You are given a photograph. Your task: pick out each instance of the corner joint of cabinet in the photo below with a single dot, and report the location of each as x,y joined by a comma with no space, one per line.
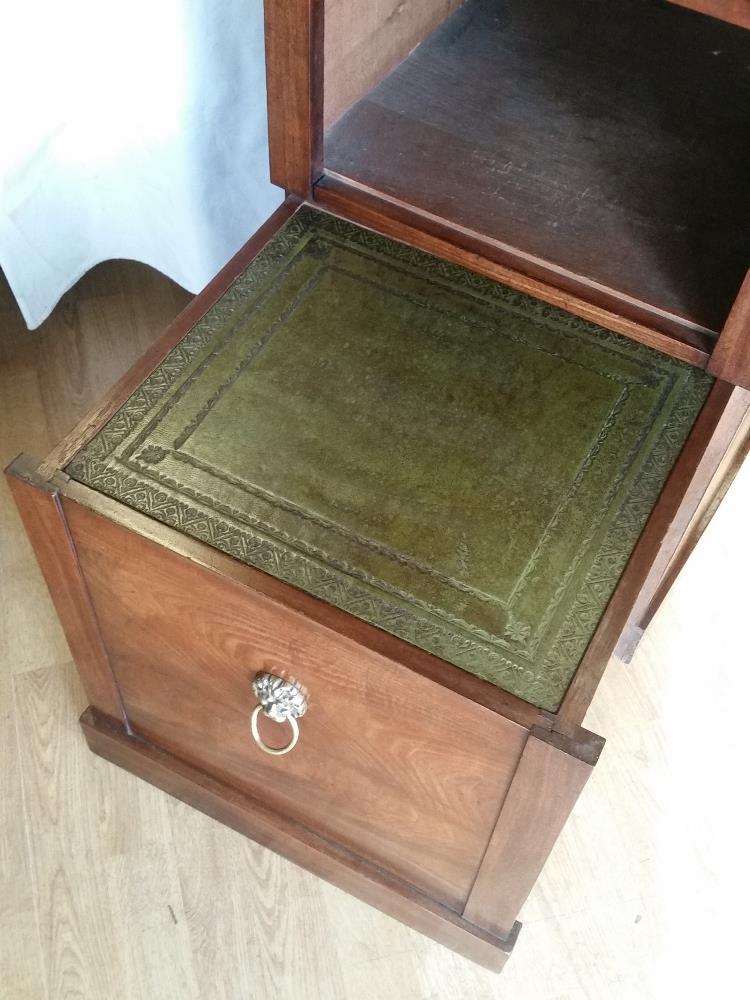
30,471
572,740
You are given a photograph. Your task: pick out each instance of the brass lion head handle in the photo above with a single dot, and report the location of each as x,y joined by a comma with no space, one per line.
281,700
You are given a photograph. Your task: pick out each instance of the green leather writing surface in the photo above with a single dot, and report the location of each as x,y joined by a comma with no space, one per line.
455,462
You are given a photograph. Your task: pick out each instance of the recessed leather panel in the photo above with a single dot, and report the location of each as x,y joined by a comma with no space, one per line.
460,464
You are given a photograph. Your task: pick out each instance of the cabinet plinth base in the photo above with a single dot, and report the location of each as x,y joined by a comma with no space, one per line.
251,817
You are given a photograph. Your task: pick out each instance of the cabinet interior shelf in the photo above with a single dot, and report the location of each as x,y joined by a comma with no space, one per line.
608,141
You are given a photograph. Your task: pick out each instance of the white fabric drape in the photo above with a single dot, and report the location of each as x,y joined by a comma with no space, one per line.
132,130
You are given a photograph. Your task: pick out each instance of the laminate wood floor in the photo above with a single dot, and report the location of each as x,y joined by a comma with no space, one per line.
110,889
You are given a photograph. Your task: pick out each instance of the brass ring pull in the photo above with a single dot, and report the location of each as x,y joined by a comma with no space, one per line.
276,751
281,700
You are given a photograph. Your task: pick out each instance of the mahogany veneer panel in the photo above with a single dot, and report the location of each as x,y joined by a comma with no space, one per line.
364,40
546,785
253,818
390,764
608,139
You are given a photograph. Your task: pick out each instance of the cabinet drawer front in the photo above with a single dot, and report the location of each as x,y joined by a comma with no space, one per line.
389,763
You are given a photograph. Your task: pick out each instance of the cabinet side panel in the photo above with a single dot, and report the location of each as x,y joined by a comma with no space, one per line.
41,511
364,40
544,790
731,358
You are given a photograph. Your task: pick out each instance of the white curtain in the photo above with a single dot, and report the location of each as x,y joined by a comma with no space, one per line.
133,130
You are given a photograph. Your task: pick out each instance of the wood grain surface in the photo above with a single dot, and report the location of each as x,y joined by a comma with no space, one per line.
43,518
389,764
253,816
366,636
544,790
111,889
365,40
294,89
731,357
534,123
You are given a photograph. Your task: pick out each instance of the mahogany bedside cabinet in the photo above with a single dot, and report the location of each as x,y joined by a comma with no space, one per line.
342,558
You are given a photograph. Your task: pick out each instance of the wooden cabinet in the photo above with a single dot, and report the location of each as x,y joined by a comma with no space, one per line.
426,450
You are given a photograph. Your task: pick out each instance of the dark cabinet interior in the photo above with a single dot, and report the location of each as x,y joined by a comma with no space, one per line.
603,146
